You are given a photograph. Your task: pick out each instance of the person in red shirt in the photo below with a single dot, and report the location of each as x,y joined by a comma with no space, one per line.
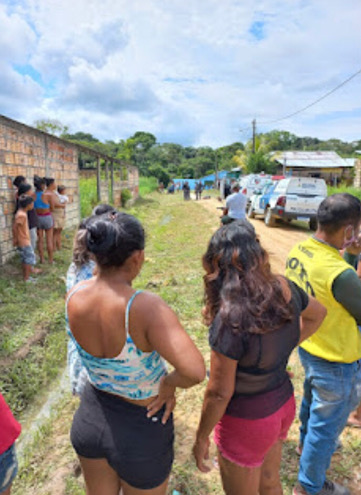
9,431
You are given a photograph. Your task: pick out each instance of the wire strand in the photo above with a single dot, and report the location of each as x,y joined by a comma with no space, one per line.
314,102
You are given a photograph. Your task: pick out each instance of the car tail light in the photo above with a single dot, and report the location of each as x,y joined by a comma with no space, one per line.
281,201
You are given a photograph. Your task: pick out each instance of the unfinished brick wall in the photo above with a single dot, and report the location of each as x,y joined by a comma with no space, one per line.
127,178
27,151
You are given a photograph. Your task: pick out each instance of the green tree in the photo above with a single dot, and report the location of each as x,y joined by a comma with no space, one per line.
160,173
253,163
51,126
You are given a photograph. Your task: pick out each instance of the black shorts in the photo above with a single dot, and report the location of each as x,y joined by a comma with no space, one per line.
138,448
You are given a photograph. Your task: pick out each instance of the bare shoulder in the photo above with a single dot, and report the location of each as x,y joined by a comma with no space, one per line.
151,302
77,296
287,294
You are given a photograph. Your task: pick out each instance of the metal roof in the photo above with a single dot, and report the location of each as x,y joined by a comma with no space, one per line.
312,159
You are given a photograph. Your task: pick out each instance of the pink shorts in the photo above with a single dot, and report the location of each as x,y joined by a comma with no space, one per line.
247,441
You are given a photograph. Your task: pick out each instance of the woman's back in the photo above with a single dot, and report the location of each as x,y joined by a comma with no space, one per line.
41,202
117,356
123,429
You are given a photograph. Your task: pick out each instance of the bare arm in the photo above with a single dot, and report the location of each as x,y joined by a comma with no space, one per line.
166,335
219,391
15,234
311,318
56,201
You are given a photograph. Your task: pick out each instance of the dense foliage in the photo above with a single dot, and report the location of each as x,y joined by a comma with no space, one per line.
169,160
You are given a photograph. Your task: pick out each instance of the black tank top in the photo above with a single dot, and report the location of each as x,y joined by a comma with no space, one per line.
262,382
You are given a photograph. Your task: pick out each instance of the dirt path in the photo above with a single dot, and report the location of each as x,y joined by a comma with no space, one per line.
278,240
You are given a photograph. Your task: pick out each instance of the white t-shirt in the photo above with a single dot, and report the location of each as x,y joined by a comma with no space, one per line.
62,198
236,204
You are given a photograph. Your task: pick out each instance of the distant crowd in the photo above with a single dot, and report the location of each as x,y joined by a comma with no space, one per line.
119,340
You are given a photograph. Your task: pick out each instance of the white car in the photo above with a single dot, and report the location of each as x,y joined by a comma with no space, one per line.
260,199
296,198
251,182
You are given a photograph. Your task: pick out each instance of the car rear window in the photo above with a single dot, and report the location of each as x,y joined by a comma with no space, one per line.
307,186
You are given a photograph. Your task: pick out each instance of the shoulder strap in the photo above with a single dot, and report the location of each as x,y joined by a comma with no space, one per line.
130,302
74,290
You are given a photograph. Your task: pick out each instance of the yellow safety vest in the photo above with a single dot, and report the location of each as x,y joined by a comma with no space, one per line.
313,266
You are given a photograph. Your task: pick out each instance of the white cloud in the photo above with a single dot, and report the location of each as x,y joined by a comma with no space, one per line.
17,39
190,72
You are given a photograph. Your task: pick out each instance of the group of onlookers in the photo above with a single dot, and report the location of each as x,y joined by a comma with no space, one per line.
123,429
39,214
120,338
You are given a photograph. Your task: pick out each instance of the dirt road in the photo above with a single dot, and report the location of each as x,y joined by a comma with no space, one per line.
278,240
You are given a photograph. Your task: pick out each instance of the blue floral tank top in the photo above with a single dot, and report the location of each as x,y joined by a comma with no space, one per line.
133,374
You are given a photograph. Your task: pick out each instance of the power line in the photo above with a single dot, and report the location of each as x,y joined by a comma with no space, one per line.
309,105
314,102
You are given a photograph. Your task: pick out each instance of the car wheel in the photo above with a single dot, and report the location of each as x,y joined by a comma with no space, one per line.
313,224
269,219
251,213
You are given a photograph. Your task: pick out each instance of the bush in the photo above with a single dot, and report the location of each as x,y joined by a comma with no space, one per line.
125,196
160,173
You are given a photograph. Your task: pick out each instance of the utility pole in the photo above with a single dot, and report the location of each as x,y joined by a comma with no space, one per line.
254,136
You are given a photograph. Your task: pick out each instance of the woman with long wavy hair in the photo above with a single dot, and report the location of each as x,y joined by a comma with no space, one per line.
256,318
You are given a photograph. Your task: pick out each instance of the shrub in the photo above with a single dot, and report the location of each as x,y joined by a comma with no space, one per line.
125,196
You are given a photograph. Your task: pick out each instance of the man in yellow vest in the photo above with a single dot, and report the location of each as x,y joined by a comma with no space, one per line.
331,356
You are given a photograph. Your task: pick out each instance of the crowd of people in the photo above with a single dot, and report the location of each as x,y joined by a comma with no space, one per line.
120,340
39,214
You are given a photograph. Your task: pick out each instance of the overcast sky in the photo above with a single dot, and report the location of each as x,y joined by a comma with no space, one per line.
193,72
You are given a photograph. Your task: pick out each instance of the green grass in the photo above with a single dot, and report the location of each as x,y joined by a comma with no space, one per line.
32,337
88,195
345,189
177,234
147,185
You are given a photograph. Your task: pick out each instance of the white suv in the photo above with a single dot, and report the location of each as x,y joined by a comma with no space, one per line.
296,198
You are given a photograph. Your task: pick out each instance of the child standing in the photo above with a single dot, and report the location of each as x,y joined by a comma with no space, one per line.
21,235
59,216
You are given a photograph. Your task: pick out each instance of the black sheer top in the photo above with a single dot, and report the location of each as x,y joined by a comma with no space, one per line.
262,382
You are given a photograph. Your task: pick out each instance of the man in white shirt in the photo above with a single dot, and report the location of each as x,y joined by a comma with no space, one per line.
236,205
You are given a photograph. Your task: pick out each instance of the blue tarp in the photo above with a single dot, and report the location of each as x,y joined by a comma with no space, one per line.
203,180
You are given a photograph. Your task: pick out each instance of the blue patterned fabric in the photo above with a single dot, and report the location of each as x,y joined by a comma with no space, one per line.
133,374
77,372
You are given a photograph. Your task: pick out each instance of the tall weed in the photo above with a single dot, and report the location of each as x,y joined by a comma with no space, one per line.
355,191
88,195
147,185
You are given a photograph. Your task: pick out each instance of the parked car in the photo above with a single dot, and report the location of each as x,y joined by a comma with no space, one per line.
296,198
251,182
260,200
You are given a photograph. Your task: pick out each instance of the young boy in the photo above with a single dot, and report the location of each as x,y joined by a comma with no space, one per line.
21,235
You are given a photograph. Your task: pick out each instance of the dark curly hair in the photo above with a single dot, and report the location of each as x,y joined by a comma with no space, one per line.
239,285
